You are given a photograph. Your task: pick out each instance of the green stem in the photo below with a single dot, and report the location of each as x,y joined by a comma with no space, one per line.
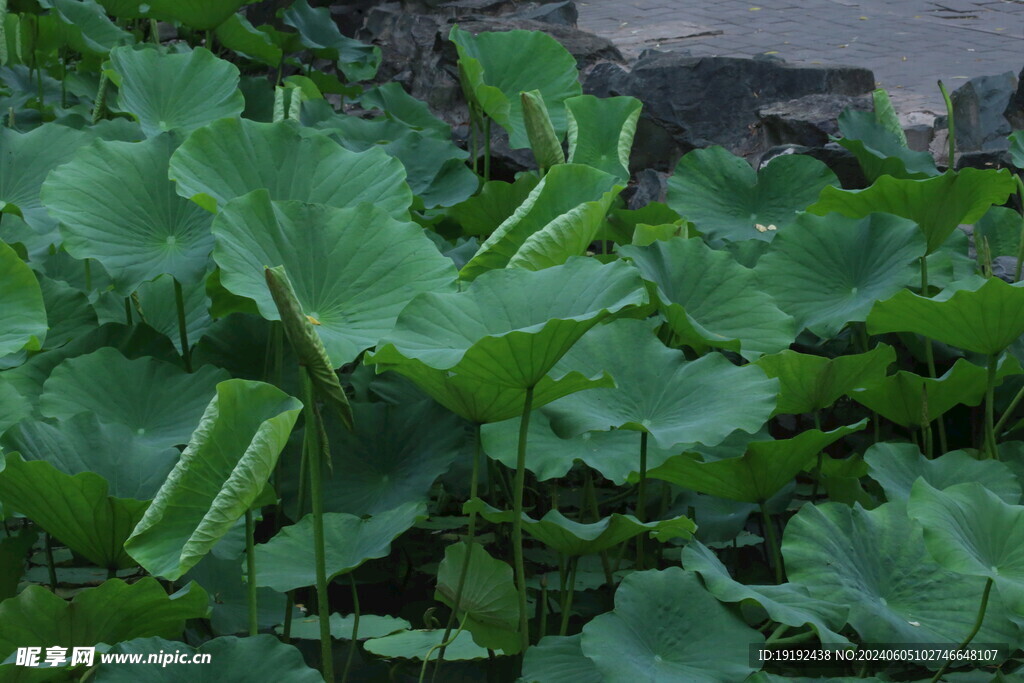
998,429
542,609
591,497
817,467
470,537
289,606
101,92
88,275
641,499
111,573
517,518
186,350
128,311
250,564
950,125
354,644
567,595
50,566
929,353
487,149
772,539
974,631
316,458
444,643
990,407
776,634
154,31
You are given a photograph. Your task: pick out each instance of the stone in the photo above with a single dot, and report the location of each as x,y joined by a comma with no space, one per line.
648,186
807,121
560,13
979,108
692,102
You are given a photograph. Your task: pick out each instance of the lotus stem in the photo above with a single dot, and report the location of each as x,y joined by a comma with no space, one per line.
128,311
817,467
354,645
470,537
317,495
487,148
101,91
542,608
929,354
950,125
1020,249
998,429
250,565
641,499
517,519
990,407
50,566
567,595
443,643
186,350
591,498
772,540
289,606
974,631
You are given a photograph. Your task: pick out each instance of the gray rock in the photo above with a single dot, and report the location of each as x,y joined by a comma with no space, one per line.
807,121
560,13
979,108
648,186
692,102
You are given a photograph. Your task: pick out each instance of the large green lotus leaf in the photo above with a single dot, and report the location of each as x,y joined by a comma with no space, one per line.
615,454
901,397
317,29
233,157
122,391
658,391
202,15
238,34
351,281
23,314
220,475
75,510
558,219
880,151
286,561
876,562
497,200
970,530
94,31
667,627
25,160
370,626
156,304
710,300
488,606
828,271
759,473
497,66
13,406
421,644
936,204
727,199
896,466
224,580
574,539
143,609
68,311
601,132
809,383
559,658
176,91
787,603
232,660
393,455
82,443
986,320
116,205
510,326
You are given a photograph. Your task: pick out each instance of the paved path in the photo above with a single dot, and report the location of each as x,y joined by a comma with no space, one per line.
909,44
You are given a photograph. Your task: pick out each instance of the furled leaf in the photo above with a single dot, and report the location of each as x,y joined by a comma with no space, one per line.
654,635
222,472
936,204
827,272
658,391
875,561
710,300
116,205
488,606
546,146
176,91
601,132
232,660
121,391
497,66
558,219
75,510
727,199
143,610
23,314
808,383
985,320
759,473
787,603
358,61
896,466
477,351
233,157
352,281
286,560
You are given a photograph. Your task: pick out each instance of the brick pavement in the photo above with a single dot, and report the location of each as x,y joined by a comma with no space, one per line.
909,44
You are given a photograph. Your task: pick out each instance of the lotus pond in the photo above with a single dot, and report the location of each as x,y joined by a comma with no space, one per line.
289,380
